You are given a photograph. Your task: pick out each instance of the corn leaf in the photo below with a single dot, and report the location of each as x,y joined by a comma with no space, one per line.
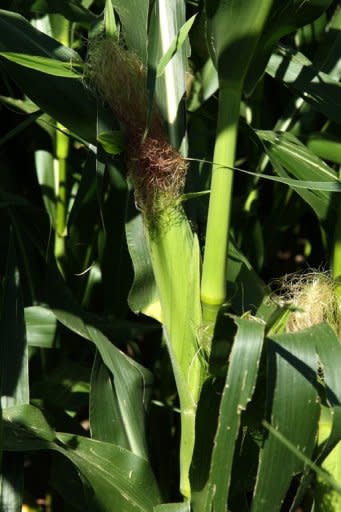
286,16
246,289
169,87
206,85
173,507
325,145
299,455
105,416
134,18
64,99
143,296
175,46
117,478
329,351
46,65
238,390
109,20
317,88
26,428
14,386
131,381
323,186
113,142
292,401
41,327
233,29
289,156
72,10
32,118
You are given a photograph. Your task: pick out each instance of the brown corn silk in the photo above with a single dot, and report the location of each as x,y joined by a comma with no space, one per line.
156,169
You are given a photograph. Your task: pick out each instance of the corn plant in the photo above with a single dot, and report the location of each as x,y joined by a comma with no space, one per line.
170,302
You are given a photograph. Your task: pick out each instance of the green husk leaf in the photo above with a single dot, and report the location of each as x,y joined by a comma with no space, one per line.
109,20
175,46
179,292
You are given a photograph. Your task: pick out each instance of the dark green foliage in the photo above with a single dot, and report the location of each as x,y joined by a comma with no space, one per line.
89,406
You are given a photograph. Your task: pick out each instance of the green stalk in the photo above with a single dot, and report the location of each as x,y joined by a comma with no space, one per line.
62,150
336,260
337,246
233,30
213,286
179,292
61,30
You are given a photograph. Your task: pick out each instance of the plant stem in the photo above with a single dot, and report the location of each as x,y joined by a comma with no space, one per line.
62,150
213,285
61,29
336,262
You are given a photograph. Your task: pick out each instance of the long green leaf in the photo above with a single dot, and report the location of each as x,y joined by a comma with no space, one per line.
118,479
318,89
175,46
329,350
238,390
320,186
105,415
143,296
286,16
26,428
170,86
22,126
41,327
290,157
173,507
67,100
233,29
134,18
131,381
71,9
14,386
322,474
292,401
43,64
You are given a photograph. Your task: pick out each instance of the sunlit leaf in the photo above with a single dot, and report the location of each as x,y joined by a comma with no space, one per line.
43,64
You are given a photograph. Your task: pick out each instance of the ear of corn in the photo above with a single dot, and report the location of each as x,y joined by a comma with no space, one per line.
158,173
179,292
